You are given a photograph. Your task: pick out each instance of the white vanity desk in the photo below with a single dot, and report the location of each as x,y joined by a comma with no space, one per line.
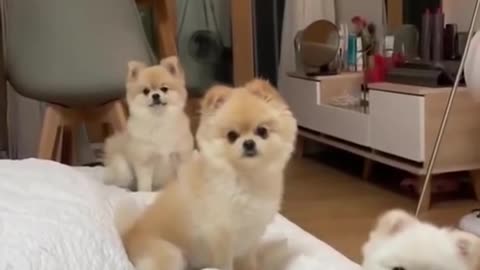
398,128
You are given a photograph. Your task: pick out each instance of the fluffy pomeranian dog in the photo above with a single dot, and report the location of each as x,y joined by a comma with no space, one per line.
214,215
158,136
401,242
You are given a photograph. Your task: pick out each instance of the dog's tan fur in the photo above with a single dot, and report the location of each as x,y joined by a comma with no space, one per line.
219,208
158,136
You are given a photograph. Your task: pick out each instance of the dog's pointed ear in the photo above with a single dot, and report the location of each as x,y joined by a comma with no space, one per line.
134,68
393,222
264,90
468,246
172,64
214,98
388,225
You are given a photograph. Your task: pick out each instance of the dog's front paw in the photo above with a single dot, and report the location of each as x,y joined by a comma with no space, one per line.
144,178
144,187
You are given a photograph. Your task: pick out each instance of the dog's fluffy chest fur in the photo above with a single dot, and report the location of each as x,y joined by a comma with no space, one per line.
243,210
162,141
159,136
250,216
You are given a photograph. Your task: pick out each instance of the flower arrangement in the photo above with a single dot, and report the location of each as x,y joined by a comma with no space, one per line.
367,32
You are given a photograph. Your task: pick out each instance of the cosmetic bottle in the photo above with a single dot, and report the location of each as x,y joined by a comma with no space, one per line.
426,36
438,21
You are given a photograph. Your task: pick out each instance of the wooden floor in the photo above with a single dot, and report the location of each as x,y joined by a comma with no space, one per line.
339,208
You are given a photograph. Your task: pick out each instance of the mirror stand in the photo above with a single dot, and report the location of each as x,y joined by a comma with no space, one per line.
324,70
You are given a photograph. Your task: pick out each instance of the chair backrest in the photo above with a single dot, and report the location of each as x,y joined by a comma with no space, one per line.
72,52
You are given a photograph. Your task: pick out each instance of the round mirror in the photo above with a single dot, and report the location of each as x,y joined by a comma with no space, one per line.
319,43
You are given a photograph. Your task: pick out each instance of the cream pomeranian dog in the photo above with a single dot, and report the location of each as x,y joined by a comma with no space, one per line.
158,136
401,242
214,215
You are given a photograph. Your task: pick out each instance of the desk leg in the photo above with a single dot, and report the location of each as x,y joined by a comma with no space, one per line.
299,147
367,169
475,176
166,26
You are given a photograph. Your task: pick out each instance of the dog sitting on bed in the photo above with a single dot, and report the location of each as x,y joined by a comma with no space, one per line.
158,136
215,214
401,242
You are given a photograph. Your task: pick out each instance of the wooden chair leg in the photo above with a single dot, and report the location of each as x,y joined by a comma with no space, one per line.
48,144
165,15
95,132
475,176
58,152
116,116
61,125
69,150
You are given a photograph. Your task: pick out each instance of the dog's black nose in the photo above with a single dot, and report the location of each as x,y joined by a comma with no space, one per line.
156,97
249,145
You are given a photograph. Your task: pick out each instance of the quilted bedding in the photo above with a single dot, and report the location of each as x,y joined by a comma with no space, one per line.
58,217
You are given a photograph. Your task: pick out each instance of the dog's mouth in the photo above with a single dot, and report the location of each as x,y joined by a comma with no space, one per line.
250,153
157,102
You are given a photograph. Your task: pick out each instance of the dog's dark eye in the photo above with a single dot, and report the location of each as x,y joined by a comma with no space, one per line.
398,268
262,132
232,136
164,89
146,91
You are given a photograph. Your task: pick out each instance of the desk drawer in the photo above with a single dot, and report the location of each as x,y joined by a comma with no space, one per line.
398,124
345,124
303,97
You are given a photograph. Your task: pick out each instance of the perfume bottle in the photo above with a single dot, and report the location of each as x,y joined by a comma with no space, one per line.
450,42
438,22
352,52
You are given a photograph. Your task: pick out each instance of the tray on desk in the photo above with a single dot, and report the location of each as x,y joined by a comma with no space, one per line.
427,74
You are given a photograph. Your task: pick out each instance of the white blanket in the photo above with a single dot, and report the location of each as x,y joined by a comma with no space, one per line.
58,217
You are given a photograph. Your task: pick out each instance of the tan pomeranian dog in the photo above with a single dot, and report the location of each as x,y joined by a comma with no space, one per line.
402,242
158,136
214,215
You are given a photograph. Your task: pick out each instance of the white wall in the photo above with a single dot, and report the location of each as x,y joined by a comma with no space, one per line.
460,12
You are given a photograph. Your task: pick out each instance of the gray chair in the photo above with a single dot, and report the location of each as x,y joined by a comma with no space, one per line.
72,55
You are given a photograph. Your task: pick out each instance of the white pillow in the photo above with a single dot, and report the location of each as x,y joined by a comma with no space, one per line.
53,217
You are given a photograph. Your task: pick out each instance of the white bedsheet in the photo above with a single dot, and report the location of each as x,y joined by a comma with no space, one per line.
58,217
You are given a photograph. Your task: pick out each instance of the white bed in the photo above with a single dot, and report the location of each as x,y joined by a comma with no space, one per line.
58,217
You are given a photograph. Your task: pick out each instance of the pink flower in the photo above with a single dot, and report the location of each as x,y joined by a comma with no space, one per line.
359,21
